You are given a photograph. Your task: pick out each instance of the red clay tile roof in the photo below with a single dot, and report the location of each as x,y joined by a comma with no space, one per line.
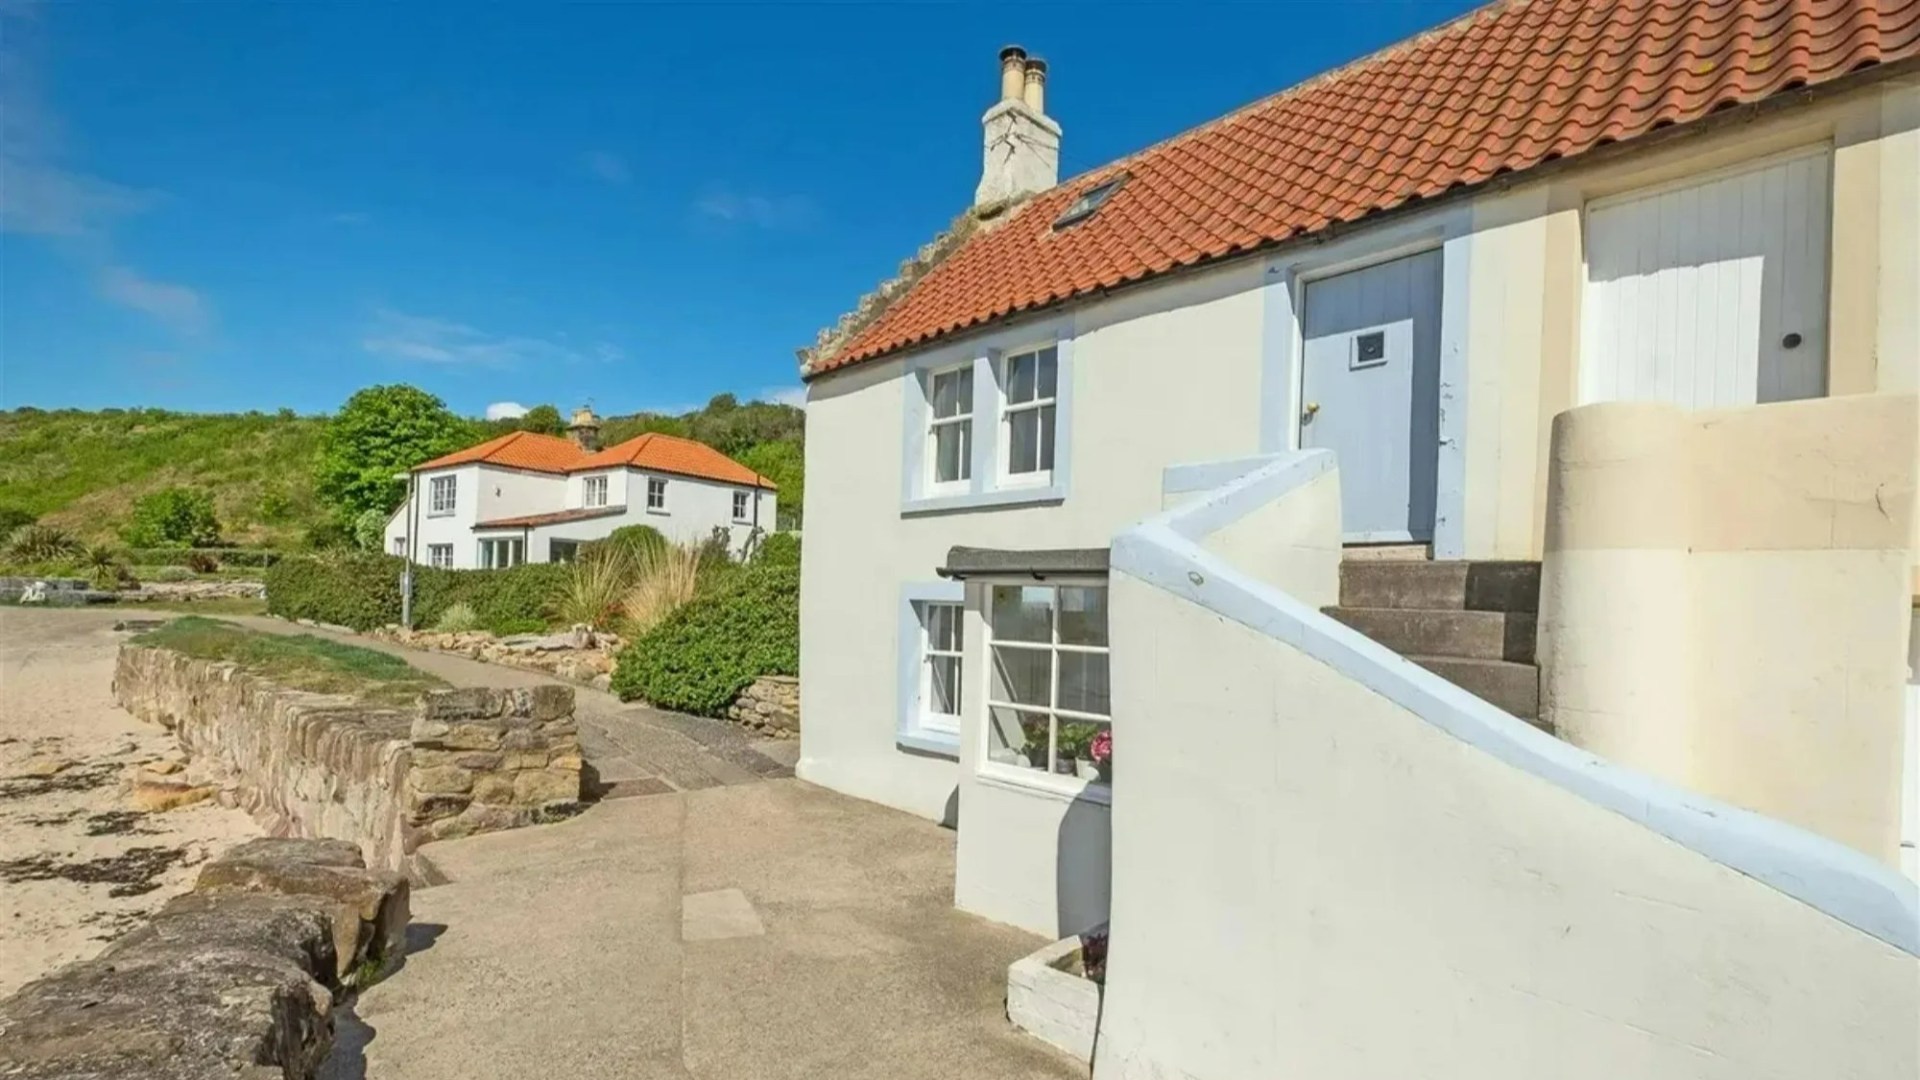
665,453
558,517
1503,89
514,450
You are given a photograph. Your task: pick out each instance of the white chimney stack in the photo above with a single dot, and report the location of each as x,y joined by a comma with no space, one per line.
1022,142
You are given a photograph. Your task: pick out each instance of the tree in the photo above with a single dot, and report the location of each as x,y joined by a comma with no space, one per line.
370,529
784,463
543,419
173,517
380,432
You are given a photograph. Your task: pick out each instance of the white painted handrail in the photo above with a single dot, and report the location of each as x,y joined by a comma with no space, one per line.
1164,551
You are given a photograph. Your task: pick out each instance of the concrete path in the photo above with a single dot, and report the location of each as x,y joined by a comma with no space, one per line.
634,750
749,932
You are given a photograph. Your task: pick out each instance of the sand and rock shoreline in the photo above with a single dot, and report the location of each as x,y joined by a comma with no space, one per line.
97,829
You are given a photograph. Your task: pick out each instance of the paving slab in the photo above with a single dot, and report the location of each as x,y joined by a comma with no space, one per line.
736,933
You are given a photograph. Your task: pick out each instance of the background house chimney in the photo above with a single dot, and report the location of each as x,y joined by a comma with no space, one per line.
1022,154
585,429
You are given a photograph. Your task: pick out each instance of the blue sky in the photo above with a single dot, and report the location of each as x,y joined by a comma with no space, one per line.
224,206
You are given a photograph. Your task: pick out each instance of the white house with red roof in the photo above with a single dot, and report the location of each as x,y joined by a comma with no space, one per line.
1429,555
528,497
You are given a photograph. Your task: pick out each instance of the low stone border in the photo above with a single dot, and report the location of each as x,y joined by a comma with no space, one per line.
237,978
319,765
770,705
581,655
1053,1005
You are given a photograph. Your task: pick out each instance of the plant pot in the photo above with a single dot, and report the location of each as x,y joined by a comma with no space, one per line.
1085,769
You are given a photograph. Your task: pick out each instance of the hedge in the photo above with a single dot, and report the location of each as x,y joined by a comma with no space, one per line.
361,590
701,656
180,556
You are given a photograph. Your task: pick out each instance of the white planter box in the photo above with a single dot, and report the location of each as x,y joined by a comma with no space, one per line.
1054,1006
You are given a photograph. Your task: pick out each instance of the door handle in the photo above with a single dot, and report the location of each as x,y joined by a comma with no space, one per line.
1312,407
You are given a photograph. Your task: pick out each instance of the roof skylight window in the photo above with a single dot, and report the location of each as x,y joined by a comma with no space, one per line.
1089,201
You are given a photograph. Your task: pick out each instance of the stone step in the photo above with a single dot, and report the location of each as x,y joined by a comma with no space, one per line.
1470,635
1512,687
1455,585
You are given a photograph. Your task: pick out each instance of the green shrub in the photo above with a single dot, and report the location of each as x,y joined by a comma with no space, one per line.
42,544
458,618
701,656
12,517
361,590
779,547
370,529
173,516
634,541
169,574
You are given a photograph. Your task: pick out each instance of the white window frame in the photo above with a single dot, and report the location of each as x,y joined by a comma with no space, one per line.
741,502
1014,775
1008,410
929,720
592,486
961,420
450,486
440,555
659,506
515,545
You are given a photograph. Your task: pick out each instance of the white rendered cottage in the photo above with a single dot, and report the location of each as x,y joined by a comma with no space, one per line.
527,497
1473,491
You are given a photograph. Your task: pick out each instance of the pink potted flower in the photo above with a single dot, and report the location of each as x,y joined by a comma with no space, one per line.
1100,750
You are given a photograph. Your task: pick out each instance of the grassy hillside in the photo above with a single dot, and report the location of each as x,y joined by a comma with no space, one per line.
83,471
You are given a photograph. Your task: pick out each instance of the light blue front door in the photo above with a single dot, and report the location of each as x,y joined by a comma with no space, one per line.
1370,392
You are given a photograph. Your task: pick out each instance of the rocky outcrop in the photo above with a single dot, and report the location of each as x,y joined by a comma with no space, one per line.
236,979
770,705
318,765
189,591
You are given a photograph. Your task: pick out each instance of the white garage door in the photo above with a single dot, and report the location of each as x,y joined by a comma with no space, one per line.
1713,294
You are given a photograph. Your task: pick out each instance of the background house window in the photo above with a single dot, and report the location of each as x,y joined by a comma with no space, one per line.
440,495
593,491
739,506
563,551
1048,699
440,555
399,545
656,493
950,427
942,639
499,554
1030,382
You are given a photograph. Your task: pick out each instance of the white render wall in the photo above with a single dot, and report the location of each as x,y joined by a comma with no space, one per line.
1166,375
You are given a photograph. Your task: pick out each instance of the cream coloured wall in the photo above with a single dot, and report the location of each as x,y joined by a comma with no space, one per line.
1323,883
1724,602
1160,376
1528,272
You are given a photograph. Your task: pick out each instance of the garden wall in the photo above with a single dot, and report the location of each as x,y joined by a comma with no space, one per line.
388,780
770,705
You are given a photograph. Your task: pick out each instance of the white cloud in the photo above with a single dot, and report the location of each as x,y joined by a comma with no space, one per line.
760,211
442,341
506,410
795,396
608,166
175,305
40,196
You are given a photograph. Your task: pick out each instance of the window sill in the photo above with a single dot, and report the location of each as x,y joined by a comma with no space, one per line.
985,500
929,742
440,513
659,513
1067,789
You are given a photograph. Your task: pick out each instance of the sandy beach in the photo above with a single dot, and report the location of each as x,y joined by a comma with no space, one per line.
85,858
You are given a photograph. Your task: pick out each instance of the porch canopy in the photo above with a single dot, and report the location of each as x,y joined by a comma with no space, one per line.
973,562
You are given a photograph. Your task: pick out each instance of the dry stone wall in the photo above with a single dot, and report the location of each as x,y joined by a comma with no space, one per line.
770,705
319,765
